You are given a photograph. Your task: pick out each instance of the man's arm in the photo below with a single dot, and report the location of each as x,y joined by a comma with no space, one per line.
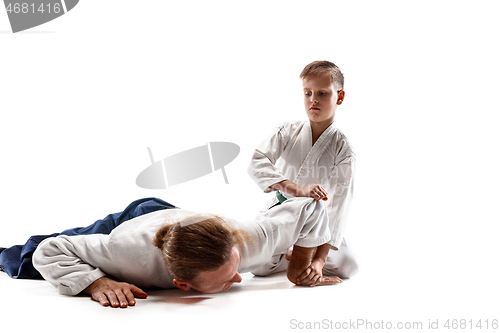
70,263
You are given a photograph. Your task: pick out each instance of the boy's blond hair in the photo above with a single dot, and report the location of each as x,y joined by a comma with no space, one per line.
320,67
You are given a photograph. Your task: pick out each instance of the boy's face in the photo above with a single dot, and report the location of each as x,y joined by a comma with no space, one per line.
320,98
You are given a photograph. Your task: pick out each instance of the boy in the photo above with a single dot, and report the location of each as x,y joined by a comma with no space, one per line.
312,159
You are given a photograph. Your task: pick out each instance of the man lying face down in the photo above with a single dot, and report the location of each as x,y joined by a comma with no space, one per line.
177,248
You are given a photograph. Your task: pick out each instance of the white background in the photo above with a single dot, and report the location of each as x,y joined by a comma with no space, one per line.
83,96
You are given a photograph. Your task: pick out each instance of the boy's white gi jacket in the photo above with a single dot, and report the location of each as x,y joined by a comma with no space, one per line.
289,154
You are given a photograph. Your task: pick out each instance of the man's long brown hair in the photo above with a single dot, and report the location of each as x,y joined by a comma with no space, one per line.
194,248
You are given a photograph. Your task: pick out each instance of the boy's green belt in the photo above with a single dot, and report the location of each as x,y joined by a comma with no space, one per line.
280,197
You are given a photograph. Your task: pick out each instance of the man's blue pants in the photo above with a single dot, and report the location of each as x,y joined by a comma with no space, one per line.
16,260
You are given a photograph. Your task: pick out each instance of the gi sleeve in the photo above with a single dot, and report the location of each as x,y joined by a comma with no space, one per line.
70,263
262,165
342,182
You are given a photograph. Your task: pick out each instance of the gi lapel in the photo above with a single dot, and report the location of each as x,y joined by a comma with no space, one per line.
313,153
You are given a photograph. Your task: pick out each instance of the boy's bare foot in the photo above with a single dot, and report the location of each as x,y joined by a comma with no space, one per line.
329,280
300,259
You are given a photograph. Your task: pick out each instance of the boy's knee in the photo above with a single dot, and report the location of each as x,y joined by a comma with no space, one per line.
348,269
344,269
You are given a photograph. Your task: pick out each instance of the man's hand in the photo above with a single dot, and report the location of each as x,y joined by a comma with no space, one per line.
117,294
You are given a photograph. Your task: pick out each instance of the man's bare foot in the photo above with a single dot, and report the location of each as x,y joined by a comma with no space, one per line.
300,259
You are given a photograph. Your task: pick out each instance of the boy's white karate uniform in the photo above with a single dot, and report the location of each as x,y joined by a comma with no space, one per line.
289,154
71,263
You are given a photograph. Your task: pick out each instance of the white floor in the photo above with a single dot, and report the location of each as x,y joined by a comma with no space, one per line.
256,304
377,296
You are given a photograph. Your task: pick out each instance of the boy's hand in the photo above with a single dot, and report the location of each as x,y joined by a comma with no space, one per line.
317,192
313,274
117,294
